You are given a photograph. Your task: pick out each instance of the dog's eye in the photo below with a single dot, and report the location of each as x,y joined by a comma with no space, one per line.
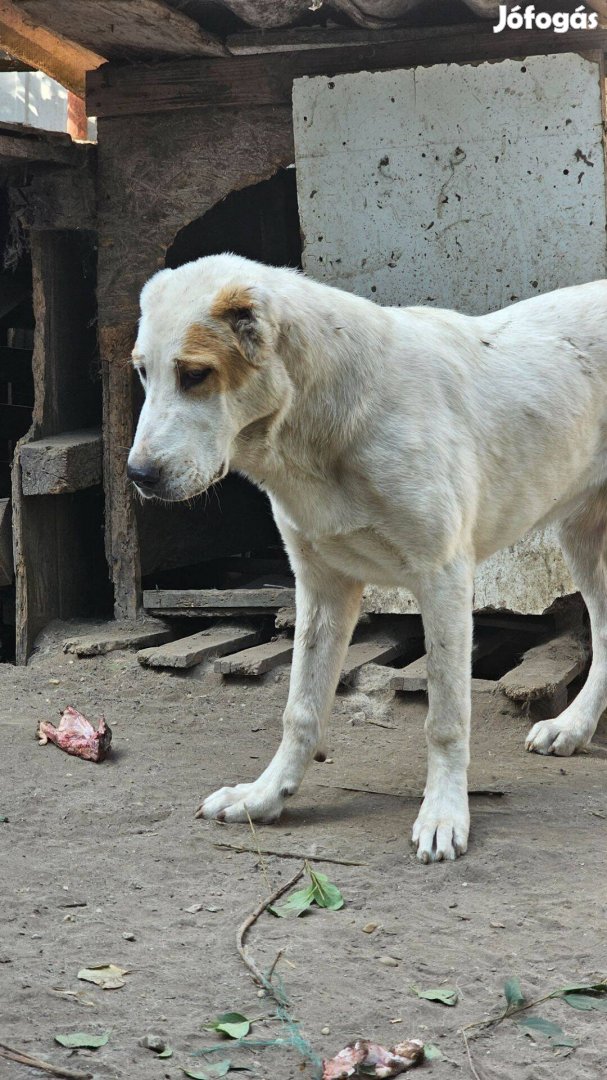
190,377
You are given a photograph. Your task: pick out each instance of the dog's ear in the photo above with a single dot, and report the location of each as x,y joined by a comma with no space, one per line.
237,307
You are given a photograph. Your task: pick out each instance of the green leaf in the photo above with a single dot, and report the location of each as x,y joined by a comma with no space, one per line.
326,894
166,1053
297,903
514,994
564,1040
544,1027
233,1024
431,1052
3,818
82,1040
586,1002
446,995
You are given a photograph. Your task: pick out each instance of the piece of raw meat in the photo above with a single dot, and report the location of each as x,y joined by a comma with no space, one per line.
76,735
364,1058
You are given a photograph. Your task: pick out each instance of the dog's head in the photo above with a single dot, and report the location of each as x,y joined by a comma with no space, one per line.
206,356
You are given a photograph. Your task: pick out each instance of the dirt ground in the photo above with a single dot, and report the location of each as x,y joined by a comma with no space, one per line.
92,853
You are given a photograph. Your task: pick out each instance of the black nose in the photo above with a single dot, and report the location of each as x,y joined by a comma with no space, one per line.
145,475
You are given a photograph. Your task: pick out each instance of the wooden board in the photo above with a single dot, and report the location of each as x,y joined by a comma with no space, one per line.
382,648
201,601
192,650
61,463
123,30
257,660
118,636
268,79
546,669
40,48
413,679
7,571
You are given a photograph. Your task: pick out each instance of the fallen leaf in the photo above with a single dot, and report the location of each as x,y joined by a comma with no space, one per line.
321,891
431,1052
233,1024
3,818
326,894
82,1040
513,992
586,1002
446,995
167,1053
554,1032
497,925
193,909
295,905
107,976
219,1068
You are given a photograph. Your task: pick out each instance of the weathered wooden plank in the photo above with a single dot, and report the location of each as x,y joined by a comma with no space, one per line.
379,650
256,661
413,679
192,650
123,30
546,669
268,79
61,463
29,145
7,571
201,600
43,50
118,636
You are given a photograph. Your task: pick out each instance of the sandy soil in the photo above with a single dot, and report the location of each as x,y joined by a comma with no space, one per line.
119,841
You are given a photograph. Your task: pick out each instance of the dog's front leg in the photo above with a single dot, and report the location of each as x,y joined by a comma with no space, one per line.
327,604
441,829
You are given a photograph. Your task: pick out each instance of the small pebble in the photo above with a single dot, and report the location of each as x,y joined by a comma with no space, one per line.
153,1042
388,961
369,927
128,937
325,1031
261,993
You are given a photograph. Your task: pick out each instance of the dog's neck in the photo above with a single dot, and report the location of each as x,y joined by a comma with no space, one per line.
327,391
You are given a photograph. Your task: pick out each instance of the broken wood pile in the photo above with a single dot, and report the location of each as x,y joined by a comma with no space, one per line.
248,631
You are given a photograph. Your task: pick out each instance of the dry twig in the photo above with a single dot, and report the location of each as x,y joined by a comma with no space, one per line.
244,928
241,848
35,1063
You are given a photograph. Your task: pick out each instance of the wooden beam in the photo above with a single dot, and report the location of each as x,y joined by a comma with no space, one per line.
546,670
44,50
61,463
115,636
7,570
380,649
202,601
256,661
246,81
189,651
124,30
25,145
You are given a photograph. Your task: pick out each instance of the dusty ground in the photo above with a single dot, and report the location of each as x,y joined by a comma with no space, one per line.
119,839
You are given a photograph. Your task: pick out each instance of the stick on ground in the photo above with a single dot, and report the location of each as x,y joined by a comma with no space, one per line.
250,921
242,848
35,1063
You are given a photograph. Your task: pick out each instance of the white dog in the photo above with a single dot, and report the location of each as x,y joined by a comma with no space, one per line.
399,447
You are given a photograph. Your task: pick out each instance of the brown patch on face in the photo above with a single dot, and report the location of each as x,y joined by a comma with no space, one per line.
204,348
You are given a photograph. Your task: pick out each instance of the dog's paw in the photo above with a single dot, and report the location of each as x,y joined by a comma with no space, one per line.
258,801
556,736
442,827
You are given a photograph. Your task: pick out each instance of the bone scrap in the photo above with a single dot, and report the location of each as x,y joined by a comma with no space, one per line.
76,735
364,1058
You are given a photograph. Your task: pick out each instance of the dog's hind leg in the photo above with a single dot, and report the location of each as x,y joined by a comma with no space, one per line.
584,540
328,604
445,597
